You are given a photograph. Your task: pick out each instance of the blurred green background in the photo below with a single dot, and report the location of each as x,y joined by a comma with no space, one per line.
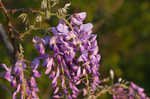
123,30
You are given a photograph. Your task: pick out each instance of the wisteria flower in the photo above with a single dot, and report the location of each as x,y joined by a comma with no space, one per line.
75,57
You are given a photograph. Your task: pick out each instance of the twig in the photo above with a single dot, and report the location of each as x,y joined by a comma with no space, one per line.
108,89
11,31
7,16
7,43
103,91
27,10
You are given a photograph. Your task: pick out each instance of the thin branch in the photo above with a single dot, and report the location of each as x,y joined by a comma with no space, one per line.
7,16
7,43
4,9
27,10
11,31
103,91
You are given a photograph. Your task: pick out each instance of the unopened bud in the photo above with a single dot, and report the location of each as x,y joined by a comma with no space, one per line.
119,80
112,74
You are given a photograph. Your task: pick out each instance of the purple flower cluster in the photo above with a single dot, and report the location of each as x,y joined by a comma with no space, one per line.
135,89
131,92
26,88
72,60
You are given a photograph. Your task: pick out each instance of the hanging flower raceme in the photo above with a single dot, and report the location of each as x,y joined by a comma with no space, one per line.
73,59
27,88
128,92
135,89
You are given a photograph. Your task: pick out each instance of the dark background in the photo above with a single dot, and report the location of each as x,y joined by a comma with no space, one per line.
123,29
